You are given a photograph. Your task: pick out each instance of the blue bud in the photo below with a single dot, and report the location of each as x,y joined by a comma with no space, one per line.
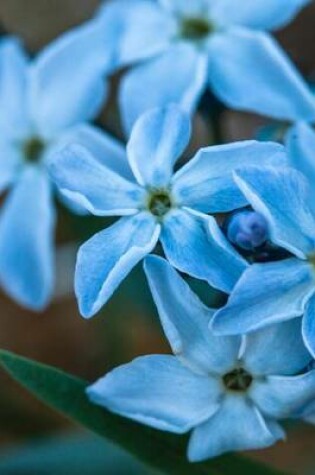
247,230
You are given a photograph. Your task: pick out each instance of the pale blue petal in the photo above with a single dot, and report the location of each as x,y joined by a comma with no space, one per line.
206,183
194,243
11,160
67,79
281,196
157,140
266,294
238,425
277,349
158,391
87,182
27,240
187,8
258,14
308,326
185,320
104,148
177,76
300,142
141,29
14,118
249,71
282,396
105,260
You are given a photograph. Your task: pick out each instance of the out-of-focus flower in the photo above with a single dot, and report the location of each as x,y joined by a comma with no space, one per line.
276,291
157,204
230,391
43,102
181,47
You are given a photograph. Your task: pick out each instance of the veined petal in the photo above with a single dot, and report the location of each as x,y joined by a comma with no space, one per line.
308,326
185,320
266,294
291,222
194,243
300,143
142,29
157,140
283,396
87,182
14,120
104,148
206,183
27,240
249,71
176,76
158,391
260,14
267,350
67,79
106,259
238,425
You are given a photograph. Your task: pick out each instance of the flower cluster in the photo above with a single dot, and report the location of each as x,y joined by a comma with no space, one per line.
239,216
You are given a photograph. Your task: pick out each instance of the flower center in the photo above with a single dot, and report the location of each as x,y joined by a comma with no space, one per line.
33,149
195,28
238,380
159,202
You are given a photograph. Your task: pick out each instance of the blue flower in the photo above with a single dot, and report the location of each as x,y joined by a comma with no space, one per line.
272,292
181,47
156,204
43,102
229,391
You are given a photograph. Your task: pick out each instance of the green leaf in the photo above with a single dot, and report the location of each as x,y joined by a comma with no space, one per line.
163,451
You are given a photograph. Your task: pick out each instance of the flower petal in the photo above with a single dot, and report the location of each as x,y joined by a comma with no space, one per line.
308,326
260,14
238,425
67,83
142,29
184,8
300,142
177,76
282,396
291,223
185,321
194,243
87,182
206,183
249,71
157,140
266,294
26,240
14,119
104,148
158,391
11,160
105,259
278,340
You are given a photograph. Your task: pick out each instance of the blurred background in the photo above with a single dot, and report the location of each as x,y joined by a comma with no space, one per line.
33,439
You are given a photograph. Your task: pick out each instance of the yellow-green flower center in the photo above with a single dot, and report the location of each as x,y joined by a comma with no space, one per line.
238,380
33,149
159,202
195,28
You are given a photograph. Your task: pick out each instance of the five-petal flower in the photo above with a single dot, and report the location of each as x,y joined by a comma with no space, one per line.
157,204
43,102
182,47
230,391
